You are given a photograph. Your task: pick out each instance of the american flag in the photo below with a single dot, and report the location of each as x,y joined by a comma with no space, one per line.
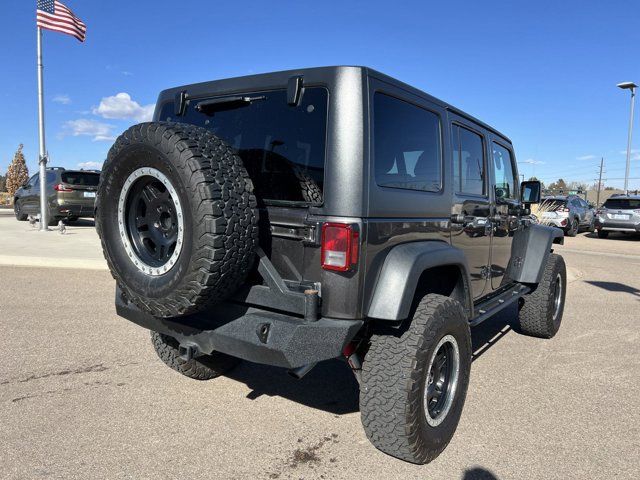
53,15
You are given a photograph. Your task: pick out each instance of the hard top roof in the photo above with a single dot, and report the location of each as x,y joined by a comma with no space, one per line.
271,78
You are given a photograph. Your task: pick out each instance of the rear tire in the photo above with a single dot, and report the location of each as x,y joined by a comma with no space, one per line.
541,312
402,413
603,234
17,209
204,367
177,218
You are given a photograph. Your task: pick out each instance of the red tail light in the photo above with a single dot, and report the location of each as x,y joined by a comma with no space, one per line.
340,246
61,187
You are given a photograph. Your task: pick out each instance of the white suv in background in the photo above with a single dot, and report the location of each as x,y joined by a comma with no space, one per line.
570,213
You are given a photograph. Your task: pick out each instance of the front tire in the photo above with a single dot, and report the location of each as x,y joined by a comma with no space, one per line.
204,367
414,381
542,309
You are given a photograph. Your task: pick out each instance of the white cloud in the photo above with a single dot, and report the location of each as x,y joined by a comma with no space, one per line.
532,161
635,154
90,165
586,157
62,98
90,128
127,73
122,107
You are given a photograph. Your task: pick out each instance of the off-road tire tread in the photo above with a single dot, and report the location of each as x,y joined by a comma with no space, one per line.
224,209
205,367
390,394
533,318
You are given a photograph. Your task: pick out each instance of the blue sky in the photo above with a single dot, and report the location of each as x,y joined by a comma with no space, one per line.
544,73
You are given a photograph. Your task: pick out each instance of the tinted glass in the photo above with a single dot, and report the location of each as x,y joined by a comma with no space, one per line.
503,171
406,145
282,146
553,204
81,178
33,180
468,161
622,204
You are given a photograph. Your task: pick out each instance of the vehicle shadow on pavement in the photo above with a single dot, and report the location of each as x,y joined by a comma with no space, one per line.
615,287
81,222
478,473
629,237
492,330
331,387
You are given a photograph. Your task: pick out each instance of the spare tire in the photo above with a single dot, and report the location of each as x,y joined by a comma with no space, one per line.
177,218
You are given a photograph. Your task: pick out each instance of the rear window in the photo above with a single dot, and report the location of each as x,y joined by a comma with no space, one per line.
622,204
282,146
553,204
81,178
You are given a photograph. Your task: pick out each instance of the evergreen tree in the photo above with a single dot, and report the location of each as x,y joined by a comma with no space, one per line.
17,173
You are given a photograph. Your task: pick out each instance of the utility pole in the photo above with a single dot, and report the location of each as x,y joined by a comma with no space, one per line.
632,87
599,182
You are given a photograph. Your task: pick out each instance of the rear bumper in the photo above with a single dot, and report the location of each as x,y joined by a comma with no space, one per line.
72,210
557,222
252,334
609,225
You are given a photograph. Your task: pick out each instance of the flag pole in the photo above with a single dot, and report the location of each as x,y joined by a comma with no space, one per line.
44,220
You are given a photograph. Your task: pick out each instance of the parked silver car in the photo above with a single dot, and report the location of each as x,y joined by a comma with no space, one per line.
619,214
570,213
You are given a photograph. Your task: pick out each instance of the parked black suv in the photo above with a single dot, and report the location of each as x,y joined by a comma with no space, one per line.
70,194
299,216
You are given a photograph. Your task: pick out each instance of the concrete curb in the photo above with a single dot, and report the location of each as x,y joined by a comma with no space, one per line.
46,262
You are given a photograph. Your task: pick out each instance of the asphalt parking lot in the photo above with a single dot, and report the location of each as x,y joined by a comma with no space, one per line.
82,394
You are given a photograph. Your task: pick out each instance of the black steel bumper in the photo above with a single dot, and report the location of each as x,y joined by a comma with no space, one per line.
252,334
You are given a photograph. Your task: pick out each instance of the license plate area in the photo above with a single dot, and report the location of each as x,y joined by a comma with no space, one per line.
620,216
89,194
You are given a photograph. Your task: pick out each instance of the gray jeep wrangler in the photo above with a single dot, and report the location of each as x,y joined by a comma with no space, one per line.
294,217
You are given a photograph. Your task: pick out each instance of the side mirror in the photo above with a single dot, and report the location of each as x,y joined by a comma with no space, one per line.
530,192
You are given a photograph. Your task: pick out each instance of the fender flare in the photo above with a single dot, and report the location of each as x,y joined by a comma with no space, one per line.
530,251
396,285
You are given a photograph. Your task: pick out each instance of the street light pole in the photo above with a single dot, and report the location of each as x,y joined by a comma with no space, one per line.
629,86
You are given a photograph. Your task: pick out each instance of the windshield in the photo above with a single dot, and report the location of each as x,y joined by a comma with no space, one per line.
81,178
282,146
622,204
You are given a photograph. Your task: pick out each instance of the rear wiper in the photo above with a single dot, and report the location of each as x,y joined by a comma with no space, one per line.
226,103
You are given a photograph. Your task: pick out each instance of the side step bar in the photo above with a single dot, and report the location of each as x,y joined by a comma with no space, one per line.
493,305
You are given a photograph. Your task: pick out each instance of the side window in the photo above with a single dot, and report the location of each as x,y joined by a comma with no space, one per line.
407,150
468,161
34,180
504,172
